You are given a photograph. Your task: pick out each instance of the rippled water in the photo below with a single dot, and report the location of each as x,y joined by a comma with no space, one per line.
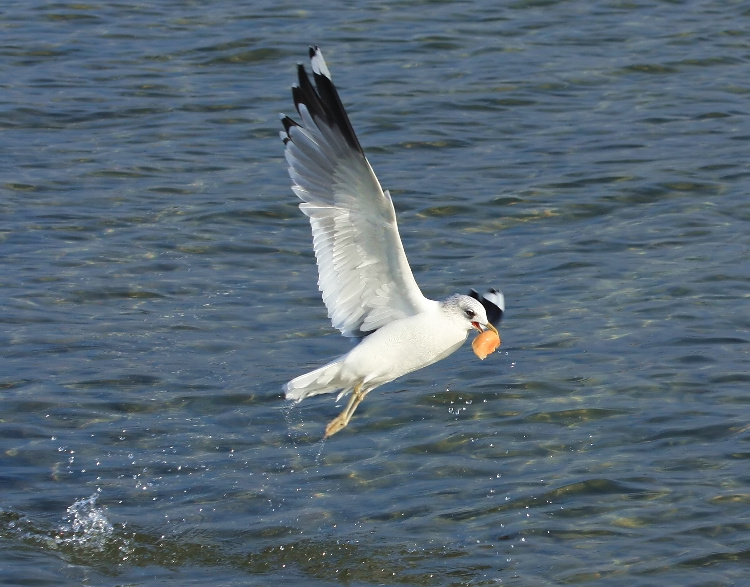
158,288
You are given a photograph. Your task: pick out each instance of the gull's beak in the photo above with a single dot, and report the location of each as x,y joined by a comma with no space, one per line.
489,326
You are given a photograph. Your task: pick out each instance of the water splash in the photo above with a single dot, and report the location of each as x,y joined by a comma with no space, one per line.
86,525
297,434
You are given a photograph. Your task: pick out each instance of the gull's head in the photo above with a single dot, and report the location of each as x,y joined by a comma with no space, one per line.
468,312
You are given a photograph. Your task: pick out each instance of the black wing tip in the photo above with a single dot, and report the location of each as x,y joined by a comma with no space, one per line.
322,100
287,123
494,312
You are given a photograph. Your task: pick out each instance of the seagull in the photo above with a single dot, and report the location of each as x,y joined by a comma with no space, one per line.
364,276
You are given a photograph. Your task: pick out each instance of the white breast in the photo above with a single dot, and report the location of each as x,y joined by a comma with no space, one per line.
403,346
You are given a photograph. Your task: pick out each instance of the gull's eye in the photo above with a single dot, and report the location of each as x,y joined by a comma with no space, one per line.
470,314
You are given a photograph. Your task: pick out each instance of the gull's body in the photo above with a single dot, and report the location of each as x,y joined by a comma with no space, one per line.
364,276
393,350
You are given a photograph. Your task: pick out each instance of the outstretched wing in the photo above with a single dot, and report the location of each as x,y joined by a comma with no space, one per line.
493,302
364,276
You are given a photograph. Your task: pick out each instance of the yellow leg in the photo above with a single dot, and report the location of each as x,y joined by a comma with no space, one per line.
340,421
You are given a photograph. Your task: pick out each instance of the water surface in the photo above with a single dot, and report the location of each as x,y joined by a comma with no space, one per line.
158,287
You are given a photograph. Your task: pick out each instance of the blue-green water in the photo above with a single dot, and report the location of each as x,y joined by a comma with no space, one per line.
157,287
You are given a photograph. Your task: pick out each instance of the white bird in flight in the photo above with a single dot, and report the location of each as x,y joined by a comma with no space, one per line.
366,282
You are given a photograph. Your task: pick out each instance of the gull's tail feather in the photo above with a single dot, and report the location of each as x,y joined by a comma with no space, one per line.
323,380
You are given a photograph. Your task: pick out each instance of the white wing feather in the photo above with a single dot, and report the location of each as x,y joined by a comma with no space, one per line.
364,275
